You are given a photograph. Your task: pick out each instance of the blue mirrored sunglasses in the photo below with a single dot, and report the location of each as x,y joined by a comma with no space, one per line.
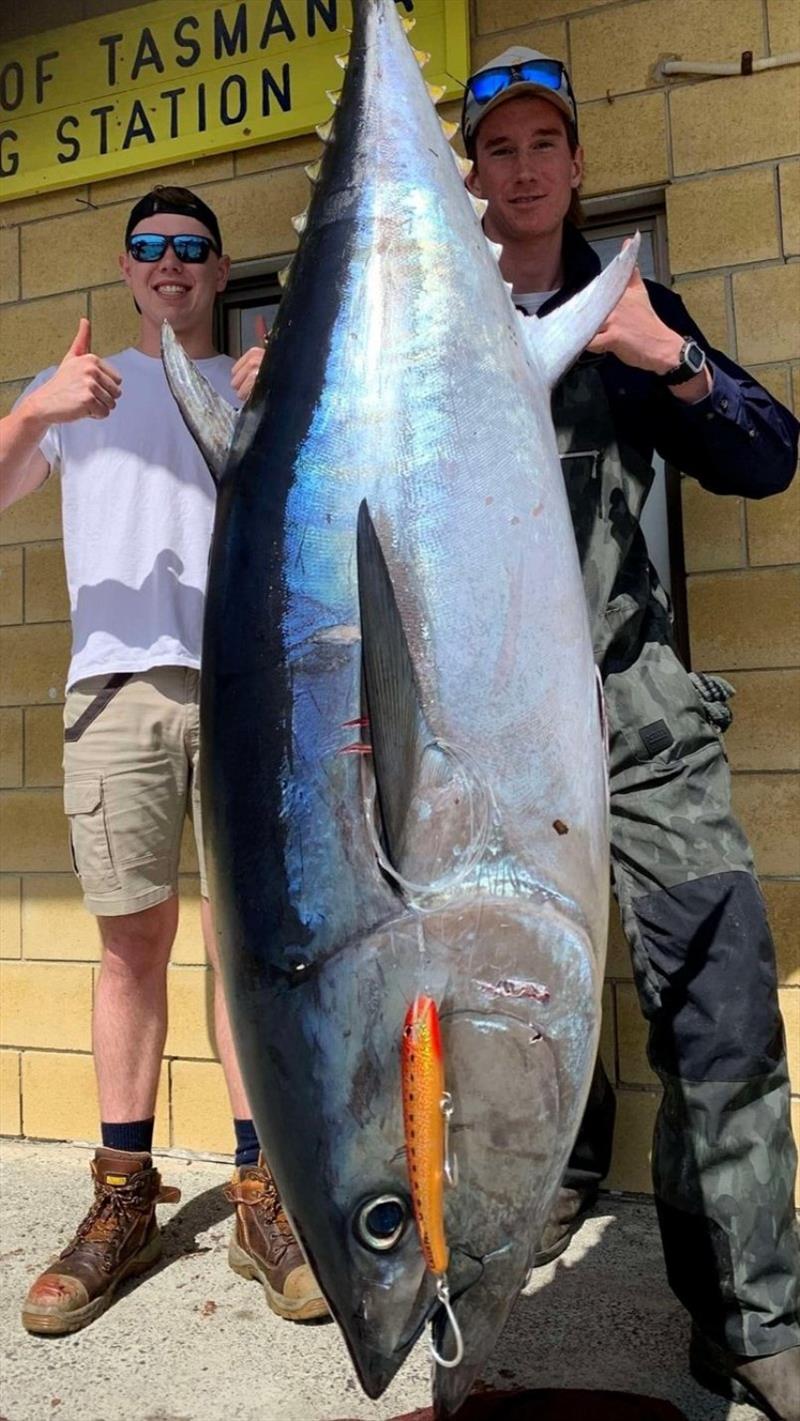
547,73
151,246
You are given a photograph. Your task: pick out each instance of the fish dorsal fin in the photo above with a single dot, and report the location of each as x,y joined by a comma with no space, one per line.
398,728
210,419
556,341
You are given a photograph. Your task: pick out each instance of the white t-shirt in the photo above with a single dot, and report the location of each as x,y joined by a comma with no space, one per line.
531,301
138,507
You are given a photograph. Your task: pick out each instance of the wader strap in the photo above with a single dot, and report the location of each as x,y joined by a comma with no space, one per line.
715,692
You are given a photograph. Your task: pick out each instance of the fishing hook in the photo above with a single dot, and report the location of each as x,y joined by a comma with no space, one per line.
443,1295
450,1162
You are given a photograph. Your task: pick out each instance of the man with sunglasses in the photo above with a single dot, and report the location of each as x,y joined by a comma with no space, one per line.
138,505
723,1159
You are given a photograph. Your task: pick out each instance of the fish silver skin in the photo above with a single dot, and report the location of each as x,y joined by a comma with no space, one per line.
393,544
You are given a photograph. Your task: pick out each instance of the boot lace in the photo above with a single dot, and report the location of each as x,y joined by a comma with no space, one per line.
268,1208
109,1220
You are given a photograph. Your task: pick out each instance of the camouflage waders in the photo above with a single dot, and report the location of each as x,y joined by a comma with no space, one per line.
723,1157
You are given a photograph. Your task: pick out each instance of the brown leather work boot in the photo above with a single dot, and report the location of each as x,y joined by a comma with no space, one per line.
770,1383
118,1238
568,1213
263,1246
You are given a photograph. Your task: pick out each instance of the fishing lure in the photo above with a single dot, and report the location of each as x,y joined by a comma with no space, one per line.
427,1108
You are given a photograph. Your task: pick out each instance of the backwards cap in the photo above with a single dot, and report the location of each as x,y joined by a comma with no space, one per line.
174,199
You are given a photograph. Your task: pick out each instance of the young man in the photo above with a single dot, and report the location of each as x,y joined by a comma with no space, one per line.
138,506
723,1158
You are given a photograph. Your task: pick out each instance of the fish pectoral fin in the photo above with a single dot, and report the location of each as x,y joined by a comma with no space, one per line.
210,419
555,341
398,729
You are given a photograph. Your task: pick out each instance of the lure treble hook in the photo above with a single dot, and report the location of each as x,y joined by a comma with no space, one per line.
450,1160
443,1294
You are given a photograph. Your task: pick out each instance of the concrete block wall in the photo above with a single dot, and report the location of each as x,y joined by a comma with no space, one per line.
726,153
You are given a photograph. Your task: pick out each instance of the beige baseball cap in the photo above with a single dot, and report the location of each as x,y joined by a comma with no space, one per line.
516,71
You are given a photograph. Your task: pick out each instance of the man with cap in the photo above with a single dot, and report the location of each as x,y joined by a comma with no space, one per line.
138,506
724,1161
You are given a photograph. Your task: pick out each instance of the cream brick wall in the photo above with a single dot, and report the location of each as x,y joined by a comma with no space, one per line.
726,153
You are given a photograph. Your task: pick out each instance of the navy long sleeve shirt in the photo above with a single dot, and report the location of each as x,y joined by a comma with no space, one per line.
738,440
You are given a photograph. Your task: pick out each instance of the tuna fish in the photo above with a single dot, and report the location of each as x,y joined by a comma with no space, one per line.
403,765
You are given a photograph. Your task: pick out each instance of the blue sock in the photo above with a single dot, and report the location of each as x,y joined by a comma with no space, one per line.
247,1146
128,1135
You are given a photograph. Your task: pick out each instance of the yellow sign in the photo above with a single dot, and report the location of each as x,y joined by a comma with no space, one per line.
163,82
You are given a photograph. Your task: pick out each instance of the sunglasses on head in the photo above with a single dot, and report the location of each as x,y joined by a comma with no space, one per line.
547,73
151,246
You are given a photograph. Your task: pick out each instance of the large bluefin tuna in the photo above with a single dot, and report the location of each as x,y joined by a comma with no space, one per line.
403,767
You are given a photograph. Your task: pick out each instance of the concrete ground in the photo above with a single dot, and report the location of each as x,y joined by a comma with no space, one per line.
193,1342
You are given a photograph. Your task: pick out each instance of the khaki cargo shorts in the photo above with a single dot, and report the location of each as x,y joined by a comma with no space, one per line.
131,744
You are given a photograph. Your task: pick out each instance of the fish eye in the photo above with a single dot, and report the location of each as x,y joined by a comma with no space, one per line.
380,1222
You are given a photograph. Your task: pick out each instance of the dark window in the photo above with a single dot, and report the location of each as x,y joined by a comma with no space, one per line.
254,290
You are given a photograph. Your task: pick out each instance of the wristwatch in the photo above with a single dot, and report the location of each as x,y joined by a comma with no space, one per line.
691,362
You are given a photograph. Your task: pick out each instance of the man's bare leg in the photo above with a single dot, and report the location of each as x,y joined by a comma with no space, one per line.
240,1106
129,1023
119,1237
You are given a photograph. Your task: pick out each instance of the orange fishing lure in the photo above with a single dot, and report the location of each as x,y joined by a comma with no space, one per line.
424,1099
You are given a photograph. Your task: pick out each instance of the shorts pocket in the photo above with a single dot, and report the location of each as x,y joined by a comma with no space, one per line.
144,809
88,835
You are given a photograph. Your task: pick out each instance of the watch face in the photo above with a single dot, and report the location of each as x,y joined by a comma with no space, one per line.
694,357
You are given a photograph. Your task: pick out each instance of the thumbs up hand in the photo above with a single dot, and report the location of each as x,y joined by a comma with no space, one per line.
243,374
82,386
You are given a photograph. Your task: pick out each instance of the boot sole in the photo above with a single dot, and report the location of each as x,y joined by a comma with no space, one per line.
549,1255
299,1310
53,1324
729,1388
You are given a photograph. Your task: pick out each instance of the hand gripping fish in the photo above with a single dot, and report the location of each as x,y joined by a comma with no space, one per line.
403,768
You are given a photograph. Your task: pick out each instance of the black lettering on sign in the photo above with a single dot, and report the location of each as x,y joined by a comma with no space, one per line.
12,86
147,53
201,108
188,22
326,10
173,95
227,114
276,23
138,126
408,5
269,87
43,76
230,40
102,113
70,142
111,42
9,161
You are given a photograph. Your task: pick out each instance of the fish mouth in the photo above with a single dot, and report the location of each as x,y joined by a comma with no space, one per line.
382,1307
482,1293
375,1371
377,1366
